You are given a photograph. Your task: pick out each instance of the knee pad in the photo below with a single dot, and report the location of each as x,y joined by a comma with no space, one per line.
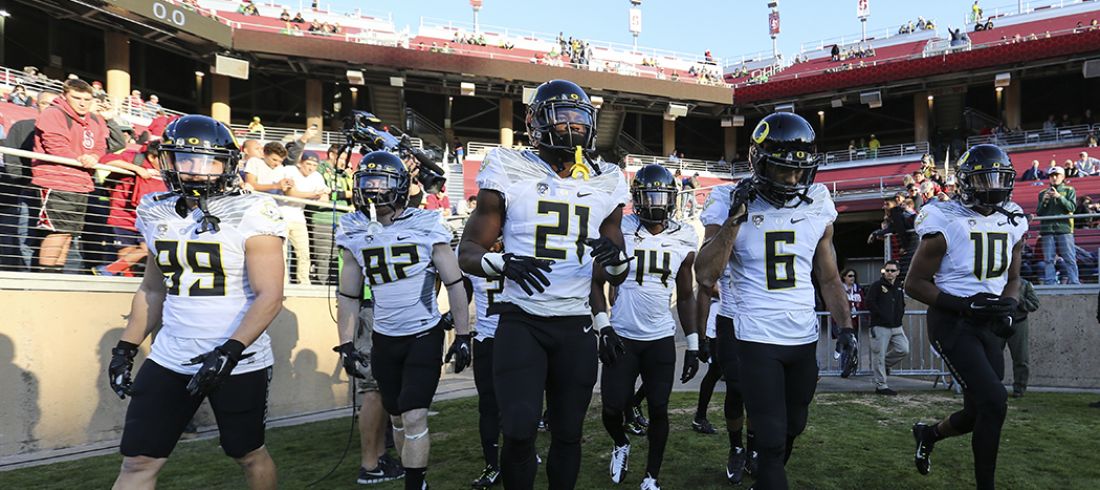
415,423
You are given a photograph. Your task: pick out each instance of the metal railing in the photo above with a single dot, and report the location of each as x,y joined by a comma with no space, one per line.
922,360
855,39
886,151
682,164
1065,134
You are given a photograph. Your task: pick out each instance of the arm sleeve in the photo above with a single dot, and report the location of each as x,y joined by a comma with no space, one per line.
263,218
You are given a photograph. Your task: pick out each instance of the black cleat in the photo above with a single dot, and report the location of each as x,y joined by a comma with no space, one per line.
735,466
925,440
752,463
489,477
639,418
388,469
702,426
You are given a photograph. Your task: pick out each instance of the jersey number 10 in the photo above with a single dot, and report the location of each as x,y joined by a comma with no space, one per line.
990,254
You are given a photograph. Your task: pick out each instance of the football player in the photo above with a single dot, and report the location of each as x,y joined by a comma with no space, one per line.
772,229
485,292
559,214
213,283
967,270
642,326
400,251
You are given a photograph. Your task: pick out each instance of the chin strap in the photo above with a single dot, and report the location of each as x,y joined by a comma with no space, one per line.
579,170
209,222
1011,216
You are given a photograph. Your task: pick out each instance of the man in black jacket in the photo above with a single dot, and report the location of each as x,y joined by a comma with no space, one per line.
889,345
15,191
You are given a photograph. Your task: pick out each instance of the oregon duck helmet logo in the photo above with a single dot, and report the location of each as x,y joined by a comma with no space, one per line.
761,132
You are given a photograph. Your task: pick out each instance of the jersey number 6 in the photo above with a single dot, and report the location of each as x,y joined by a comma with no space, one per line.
773,260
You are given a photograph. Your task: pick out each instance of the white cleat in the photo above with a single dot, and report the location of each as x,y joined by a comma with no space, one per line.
619,460
650,483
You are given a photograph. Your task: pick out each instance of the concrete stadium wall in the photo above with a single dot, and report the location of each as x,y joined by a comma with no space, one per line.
56,333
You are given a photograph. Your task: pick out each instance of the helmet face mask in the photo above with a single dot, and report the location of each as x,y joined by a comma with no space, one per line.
783,158
198,157
653,193
561,117
382,181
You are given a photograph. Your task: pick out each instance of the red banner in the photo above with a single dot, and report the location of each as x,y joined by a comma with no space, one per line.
773,23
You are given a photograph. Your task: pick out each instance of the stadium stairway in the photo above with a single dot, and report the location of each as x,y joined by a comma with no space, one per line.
386,103
608,127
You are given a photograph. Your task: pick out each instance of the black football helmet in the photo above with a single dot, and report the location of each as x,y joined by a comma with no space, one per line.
199,157
783,142
382,180
985,176
565,103
654,193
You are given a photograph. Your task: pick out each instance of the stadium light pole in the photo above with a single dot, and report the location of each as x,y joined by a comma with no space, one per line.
635,18
773,27
476,5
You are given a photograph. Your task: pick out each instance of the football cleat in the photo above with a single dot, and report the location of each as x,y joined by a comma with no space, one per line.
638,417
735,466
925,439
388,469
634,427
489,477
620,456
702,426
752,463
650,483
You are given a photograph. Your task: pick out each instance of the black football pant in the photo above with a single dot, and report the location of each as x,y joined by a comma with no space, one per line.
778,383
975,357
488,421
725,352
533,354
655,361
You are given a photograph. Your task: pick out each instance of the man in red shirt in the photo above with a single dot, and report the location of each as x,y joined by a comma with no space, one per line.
439,202
125,198
67,129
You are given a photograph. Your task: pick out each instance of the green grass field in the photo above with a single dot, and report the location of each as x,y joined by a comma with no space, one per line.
853,441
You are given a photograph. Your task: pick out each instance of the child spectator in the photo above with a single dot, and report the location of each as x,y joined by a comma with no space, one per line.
125,197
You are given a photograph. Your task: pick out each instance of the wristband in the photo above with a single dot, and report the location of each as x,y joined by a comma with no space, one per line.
952,302
129,347
600,320
692,341
617,269
234,348
493,264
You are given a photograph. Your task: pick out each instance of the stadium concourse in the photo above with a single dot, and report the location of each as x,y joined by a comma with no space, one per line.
893,112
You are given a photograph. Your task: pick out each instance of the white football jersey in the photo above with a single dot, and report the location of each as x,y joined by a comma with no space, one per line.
712,327
771,265
205,276
396,261
486,291
642,309
550,217
979,248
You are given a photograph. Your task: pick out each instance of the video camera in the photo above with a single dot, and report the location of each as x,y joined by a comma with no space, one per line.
365,130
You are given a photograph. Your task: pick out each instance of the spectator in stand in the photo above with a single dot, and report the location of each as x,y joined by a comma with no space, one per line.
889,345
439,202
152,106
690,186
69,129
468,206
296,146
285,15
17,197
674,158
119,131
137,106
256,127
266,174
250,149
305,183
976,12
872,147
1071,169
928,191
248,8
835,52
156,128
1050,127
97,89
1017,342
338,177
18,96
1056,236
298,19
1086,165
125,197
315,26
1034,173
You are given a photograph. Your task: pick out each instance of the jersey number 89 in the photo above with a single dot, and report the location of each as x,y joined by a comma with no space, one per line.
203,259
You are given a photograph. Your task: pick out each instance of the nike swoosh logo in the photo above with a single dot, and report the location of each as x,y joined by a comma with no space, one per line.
1002,223
588,329
666,245
399,237
793,221
728,474
584,194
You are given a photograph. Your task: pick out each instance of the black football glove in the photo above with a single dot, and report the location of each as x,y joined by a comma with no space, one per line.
354,361
121,367
1003,327
447,321
704,350
606,253
691,365
611,346
742,194
985,305
460,351
216,365
848,342
528,272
